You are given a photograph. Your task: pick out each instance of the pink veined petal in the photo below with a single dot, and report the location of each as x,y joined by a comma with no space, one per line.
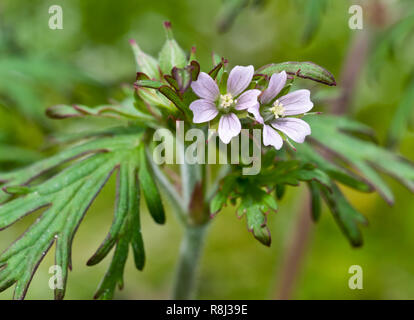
294,128
229,127
296,102
205,87
239,79
276,84
247,99
271,137
203,110
256,113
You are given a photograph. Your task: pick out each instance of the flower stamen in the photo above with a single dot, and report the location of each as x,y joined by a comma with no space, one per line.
226,100
278,110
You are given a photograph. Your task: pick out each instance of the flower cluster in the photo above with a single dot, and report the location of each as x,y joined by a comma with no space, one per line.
274,113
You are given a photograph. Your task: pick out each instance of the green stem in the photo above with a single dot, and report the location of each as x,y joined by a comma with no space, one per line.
189,257
193,182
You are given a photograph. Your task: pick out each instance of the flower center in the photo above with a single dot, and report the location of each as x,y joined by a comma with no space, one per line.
226,100
278,110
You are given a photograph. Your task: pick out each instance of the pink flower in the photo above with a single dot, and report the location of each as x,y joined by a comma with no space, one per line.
213,103
275,112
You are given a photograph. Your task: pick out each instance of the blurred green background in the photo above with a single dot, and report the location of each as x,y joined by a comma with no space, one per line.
90,59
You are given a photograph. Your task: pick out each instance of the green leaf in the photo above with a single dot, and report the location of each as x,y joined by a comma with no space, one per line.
291,173
17,190
114,275
255,203
309,154
15,154
58,223
332,134
217,203
109,143
256,192
313,12
22,77
389,42
402,116
220,199
64,199
305,70
280,191
150,190
315,200
255,206
171,55
125,230
228,13
121,111
345,215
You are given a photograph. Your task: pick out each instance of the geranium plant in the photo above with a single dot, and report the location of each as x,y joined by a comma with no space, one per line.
173,94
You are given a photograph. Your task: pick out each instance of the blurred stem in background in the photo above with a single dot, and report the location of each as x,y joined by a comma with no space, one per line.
376,12
296,252
351,71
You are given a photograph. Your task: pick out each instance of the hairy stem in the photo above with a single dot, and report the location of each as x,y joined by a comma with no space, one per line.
193,181
189,257
351,71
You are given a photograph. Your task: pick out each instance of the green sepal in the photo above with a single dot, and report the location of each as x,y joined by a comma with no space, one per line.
144,62
171,55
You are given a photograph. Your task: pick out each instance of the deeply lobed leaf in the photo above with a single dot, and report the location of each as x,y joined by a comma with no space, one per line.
65,199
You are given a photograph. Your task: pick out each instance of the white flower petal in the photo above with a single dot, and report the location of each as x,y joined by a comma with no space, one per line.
239,79
276,84
205,87
294,128
247,99
203,110
229,127
271,137
296,102
256,113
